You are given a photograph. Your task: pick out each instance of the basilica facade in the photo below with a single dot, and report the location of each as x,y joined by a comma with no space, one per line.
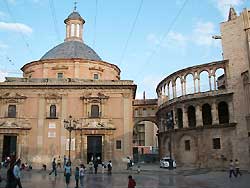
70,102
208,126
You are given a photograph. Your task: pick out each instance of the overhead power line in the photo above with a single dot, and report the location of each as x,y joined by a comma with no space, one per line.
166,33
131,32
18,28
53,14
96,10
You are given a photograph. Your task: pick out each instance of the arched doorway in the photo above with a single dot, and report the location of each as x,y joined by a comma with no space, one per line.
223,112
206,114
145,141
191,116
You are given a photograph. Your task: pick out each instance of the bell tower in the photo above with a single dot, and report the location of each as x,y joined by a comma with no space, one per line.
74,26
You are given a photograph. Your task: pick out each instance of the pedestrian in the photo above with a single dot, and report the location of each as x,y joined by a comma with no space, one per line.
82,173
103,167
11,180
59,162
138,169
131,182
53,167
64,161
67,173
17,173
237,168
77,176
110,168
231,169
91,167
96,166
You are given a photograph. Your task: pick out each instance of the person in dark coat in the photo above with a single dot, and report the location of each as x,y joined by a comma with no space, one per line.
131,182
11,180
96,166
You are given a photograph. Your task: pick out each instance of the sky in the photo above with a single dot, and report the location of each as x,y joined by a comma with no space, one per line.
146,39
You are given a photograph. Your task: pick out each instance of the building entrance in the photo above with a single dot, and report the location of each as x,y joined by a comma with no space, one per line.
94,148
9,146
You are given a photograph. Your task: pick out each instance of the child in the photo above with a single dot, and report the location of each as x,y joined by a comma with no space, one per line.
131,182
77,175
138,169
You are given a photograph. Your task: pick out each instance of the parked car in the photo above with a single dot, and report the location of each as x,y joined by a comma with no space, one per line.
166,161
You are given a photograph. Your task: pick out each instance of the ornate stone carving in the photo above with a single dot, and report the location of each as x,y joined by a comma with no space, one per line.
12,98
17,123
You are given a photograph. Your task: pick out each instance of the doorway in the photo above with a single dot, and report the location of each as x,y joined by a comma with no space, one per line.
94,148
9,146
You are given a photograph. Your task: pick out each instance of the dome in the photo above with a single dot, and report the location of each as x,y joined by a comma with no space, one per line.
72,49
74,16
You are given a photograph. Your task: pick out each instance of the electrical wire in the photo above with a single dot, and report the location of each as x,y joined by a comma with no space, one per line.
131,32
96,9
18,28
53,14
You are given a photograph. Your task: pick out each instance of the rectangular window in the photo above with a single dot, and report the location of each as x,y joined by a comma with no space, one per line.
96,76
51,134
60,75
216,143
118,144
187,145
72,145
52,125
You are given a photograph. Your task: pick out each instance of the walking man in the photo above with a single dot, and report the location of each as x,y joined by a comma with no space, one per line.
17,173
53,167
59,162
237,168
231,169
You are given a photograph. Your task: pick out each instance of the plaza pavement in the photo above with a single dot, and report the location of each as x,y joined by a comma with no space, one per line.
151,176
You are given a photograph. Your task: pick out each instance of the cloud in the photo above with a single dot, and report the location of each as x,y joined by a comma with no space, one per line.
153,39
224,5
3,46
16,27
178,38
3,74
202,34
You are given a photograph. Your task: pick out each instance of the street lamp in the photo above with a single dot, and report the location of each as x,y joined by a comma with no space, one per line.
170,126
70,125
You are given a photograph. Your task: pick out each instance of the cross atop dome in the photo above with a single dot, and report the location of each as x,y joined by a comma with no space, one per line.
75,7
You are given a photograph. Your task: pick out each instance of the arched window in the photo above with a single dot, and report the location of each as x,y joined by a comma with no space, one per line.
223,112
12,111
179,117
72,32
78,30
95,111
52,111
206,114
191,116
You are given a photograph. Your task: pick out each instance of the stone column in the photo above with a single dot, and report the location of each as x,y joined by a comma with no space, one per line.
77,70
194,85
127,124
198,114
174,90
63,131
214,82
40,125
215,114
182,87
168,92
199,87
231,112
185,117
174,118
185,87
210,84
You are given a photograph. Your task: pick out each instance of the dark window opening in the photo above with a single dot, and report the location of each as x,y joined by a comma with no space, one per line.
96,76
52,111
206,114
12,111
187,145
118,144
95,111
59,75
223,112
191,116
216,143
180,118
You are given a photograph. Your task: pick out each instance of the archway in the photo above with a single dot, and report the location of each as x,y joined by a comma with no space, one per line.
206,114
223,112
191,116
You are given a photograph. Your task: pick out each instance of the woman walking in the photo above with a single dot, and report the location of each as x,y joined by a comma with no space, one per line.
67,173
11,180
77,176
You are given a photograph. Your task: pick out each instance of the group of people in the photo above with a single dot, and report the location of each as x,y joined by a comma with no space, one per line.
79,171
234,168
14,174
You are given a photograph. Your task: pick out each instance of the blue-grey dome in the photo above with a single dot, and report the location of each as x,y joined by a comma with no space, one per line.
72,49
74,16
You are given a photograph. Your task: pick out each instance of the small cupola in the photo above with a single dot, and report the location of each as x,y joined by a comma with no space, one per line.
74,27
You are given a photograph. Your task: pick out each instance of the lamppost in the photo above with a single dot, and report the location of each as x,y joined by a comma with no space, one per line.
70,125
170,126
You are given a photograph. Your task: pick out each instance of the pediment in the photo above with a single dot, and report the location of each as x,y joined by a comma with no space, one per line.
52,96
12,95
91,96
21,124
